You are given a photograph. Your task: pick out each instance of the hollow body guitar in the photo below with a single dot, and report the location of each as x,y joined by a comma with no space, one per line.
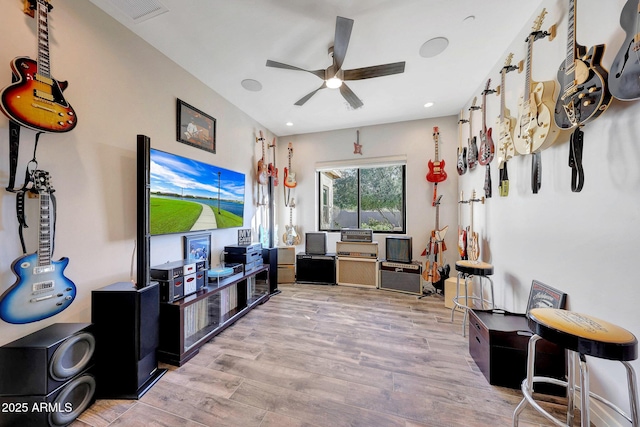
584,94
34,99
535,128
505,125
624,76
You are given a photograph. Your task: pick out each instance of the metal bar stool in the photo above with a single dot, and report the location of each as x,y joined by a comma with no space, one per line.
581,335
467,269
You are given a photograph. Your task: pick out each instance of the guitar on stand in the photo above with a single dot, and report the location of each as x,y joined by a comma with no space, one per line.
289,178
436,271
291,236
461,165
472,154
624,78
34,99
505,126
42,290
473,248
462,232
436,172
487,147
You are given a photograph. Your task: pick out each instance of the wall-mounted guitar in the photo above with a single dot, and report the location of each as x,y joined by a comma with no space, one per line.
461,165
262,170
42,290
505,126
272,169
34,99
291,236
462,232
624,78
436,172
472,154
535,129
289,178
584,95
487,147
473,247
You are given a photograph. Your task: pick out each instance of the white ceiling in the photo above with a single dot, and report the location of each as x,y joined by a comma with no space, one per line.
223,42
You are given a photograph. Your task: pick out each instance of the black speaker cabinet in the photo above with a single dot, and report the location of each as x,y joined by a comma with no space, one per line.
44,360
56,409
126,322
270,257
316,269
51,368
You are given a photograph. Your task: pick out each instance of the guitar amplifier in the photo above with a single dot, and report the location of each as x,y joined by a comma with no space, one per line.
357,249
356,235
401,277
357,272
316,269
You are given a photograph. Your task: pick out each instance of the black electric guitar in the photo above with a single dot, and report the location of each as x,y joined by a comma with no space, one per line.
584,94
472,154
42,290
461,165
34,99
624,78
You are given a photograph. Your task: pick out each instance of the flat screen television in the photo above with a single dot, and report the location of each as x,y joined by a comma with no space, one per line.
399,249
188,195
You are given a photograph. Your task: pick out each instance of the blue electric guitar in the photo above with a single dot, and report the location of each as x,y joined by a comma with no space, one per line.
41,290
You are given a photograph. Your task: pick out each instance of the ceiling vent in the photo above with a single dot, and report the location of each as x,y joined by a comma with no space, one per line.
140,10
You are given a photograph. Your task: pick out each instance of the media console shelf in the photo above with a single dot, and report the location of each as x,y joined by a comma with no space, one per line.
187,324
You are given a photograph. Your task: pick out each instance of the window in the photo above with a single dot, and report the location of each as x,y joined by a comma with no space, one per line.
363,197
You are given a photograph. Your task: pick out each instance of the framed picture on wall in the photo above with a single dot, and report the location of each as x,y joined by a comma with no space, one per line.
195,127
197,247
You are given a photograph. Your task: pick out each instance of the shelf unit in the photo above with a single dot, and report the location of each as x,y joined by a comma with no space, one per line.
187,324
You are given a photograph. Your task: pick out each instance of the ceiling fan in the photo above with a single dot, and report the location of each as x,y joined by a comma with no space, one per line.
334,76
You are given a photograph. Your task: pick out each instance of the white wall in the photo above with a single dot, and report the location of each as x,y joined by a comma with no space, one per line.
413,139
119,87
583,243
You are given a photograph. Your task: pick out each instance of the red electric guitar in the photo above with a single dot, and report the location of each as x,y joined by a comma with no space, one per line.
289,177
487,147
436,172
34,99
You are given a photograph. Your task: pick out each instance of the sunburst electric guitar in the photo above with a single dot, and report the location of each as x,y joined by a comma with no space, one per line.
34,99
42,290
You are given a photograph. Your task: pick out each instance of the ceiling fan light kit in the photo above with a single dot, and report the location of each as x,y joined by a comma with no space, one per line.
334,76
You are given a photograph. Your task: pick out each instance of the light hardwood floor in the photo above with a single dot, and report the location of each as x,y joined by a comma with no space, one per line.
328,356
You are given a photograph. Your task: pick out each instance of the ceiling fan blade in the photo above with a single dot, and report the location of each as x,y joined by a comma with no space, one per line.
351,97
341,40
375,71
274,64
308,96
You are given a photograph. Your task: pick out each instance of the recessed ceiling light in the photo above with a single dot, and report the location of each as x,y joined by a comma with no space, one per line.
428,104
252,85
433,47
289,123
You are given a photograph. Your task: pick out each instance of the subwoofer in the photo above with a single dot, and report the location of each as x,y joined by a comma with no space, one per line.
39,363
56,409
46,378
